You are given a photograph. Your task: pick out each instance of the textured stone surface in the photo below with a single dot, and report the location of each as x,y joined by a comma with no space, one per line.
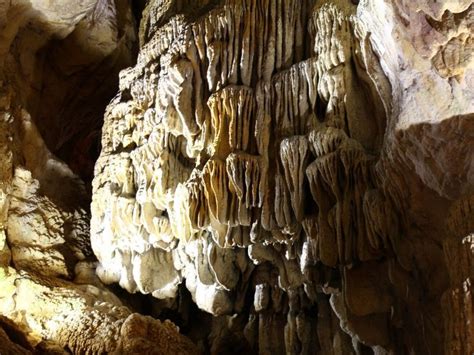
53,58
63,57
303,168
276,176
46,239
13,340
83,318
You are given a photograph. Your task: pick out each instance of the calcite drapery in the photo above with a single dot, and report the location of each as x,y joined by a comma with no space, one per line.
303,168
275,151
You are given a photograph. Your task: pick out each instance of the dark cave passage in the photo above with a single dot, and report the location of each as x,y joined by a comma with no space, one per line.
74,78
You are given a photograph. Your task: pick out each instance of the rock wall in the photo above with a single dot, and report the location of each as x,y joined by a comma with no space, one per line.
52,58
275,176
303,168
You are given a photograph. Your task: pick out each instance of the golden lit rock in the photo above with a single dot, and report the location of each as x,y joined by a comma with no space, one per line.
273,176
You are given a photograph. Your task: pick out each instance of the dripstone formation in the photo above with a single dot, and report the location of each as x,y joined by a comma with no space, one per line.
275,177
302,168
51,302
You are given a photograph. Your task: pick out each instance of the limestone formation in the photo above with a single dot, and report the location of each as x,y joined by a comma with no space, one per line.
50,299
275,176
45,237
295,165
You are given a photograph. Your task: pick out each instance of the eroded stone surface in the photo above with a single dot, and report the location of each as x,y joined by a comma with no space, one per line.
48,285
301,171
293,164
46,239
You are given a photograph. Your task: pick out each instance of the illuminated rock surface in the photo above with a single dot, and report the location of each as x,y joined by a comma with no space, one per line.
295,165
275,176
53,58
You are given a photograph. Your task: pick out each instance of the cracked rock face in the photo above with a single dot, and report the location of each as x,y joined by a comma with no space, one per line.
302,168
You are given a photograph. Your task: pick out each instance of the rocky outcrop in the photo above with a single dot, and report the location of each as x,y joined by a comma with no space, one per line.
53,59
275,176
63,60
45,238
295,166
83,318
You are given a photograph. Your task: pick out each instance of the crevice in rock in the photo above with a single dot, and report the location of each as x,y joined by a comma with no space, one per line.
75,83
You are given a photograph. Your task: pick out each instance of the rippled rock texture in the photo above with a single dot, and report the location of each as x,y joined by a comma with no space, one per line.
53,58
303,168
275,176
